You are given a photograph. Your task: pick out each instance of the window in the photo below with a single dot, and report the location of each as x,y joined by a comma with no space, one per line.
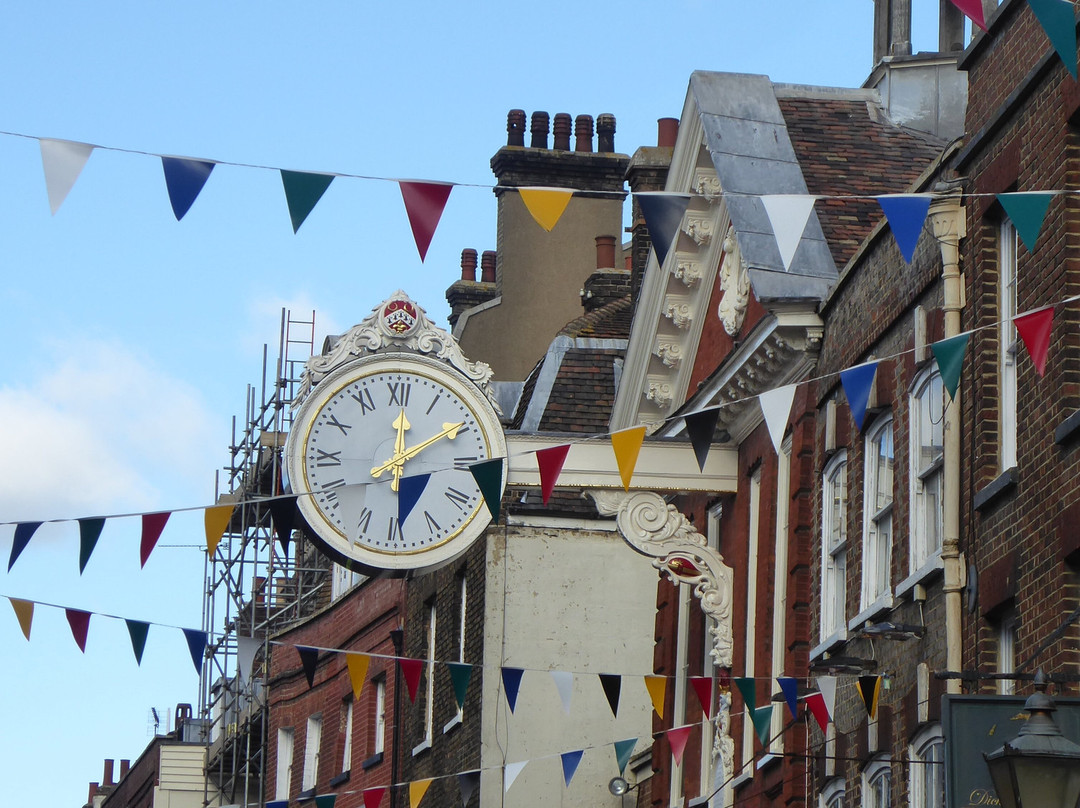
832,796
378,745
927,468
751,613
462,591
346,753
834,547
780,578
429,679
284,763
311,752
343,580
877,785
877,510
1007,344
1007,629
927,757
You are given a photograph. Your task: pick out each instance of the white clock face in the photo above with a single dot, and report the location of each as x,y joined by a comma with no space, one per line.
367,426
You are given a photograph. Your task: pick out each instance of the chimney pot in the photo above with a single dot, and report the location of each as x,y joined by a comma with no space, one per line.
93,793
106,776
539,129
667,132
561,130
487,266
605,132
583,131
605,252
125,765
515,127
468,264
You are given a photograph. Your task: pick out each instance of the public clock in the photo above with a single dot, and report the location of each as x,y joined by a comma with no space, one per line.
371,423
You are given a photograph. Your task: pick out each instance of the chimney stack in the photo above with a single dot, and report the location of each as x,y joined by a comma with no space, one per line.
106,777
125,766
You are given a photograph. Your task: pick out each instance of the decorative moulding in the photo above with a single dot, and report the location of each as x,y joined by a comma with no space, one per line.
669,350
679,310
707,184
735,284
699,226
687,270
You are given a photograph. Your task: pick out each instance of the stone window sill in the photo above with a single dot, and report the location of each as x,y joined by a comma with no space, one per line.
1002,486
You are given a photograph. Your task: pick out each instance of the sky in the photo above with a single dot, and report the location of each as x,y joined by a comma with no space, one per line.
129,338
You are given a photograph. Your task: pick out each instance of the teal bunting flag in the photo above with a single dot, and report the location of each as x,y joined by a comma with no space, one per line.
762,719
137,630
1026,211
89,533
460,674
325,801
623,751
1058,19
748,690
949,354
489,479
303,190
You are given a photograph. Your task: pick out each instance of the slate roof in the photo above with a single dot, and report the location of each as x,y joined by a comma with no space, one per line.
845,150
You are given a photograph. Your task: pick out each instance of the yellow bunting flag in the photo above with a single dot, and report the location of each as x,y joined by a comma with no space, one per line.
24,611
546,204
417,790
657,687
358,667
627,444
216,520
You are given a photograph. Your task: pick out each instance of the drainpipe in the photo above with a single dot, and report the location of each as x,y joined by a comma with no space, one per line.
947,218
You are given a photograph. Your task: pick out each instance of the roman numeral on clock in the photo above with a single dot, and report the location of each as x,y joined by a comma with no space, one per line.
333,421
330,489
433,526
393,532
323,458
363,397
457,497
399,393
364,522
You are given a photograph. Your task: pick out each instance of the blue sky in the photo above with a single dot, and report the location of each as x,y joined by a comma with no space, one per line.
129,338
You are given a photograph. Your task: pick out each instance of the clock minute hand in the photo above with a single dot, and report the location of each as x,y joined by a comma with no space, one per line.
449,431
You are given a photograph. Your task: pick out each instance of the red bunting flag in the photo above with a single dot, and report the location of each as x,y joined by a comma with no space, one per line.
1034,329
973,9
373,796
703,686
424,203
80,625
678,737
816,704
411,670
152,525
550,462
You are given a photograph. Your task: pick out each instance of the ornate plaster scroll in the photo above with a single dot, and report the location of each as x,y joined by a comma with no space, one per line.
735,284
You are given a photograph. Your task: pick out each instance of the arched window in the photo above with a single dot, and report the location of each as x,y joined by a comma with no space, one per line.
927,758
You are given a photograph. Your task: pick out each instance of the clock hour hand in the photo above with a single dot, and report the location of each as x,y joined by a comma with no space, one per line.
401,423
398,460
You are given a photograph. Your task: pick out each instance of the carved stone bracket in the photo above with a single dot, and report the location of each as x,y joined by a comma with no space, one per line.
659,393
679,311
699,227
707,184
687,271
735,284
669,351
656,529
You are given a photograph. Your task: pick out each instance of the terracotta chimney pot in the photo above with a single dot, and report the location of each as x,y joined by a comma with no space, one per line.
561,130
468,264
667,132
487,266
539,129
605,252
515,127
583,131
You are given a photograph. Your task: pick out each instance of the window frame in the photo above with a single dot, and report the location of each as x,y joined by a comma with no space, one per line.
378,742
312,750
878,769
286,739
1006,630
926,756
346,745
926,522
878,505
834,523
1008,342
430,626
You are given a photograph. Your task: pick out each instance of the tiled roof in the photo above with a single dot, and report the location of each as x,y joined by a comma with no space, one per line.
844,150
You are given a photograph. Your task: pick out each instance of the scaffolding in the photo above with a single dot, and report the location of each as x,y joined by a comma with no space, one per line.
255,586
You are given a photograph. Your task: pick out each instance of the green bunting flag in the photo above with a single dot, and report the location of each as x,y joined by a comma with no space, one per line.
325,801
1058,19
460,674
949,354
303,190
89,532
489,479
748,690
1026,211
762,718
137,630
623,751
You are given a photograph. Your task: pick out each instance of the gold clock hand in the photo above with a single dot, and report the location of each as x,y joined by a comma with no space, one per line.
401,423
449,431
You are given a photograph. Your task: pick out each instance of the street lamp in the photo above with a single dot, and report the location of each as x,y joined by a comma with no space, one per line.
1040,768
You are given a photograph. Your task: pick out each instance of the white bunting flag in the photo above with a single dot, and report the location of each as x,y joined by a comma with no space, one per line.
63,161
510,774
776,407
564,683
245,656
827,686
788,215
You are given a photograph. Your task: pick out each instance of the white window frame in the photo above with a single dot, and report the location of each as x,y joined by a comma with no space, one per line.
378,745
877,784
1007,629
834,551
750,652
343,580
879,481
346,752
312,744
285,740
926,470
1008,343
780,593
429,681
926,755
832,796
463,591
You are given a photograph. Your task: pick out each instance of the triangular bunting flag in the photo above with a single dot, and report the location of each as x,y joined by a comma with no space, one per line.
870,689
303,190
815,702
80,625
184,179
63,161
373,796
460,674
410,490
89,533
1034,329
489,479
570,761
776,407
510,774
550,461
973,9
790,688
700,427
282,517
657,687
703,686
424,203
949,354
627,445
906,214
1058,19
612,684
417,790
1027,210
309,660
411,670
748,691
24,613
152,525
325,801
246,648
788,214
216,519
137,631
827,686
358,668
546,204
24,531
196,643
564,683
663,213
678,737
468,783
624,750
511,679
857,382
762,719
